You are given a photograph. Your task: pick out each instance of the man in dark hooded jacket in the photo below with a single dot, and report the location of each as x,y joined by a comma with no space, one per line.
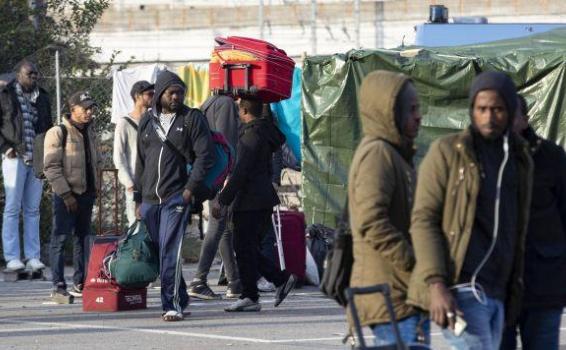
252,195
545,253
175,151
469,221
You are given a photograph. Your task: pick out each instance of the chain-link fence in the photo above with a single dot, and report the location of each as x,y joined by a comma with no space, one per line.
100,88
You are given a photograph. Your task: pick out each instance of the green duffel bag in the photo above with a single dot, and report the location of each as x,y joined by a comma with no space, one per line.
136,261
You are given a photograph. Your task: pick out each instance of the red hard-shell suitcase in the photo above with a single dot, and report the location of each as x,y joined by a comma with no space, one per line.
101,292
244,66
293,226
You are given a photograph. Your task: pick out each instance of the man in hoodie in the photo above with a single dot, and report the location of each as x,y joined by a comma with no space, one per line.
175,151
545,255
222,115
252,195
469,221
25,112
125,142
71,167
381,187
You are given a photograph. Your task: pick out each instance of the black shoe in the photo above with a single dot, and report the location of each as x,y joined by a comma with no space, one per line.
284,289
201,290
77,290
60,295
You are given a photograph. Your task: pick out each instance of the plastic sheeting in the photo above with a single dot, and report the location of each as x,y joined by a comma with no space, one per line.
289,115
331,125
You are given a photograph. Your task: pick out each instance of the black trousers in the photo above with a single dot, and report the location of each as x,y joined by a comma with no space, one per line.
249,229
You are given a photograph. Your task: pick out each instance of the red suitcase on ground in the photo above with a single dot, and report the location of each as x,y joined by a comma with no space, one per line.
292,237
102,293
241,66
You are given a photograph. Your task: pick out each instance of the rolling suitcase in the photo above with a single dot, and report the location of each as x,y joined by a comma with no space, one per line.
245,66
101,293
361,343
289,229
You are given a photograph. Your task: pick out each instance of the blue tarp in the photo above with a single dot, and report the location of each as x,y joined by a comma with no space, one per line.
289,115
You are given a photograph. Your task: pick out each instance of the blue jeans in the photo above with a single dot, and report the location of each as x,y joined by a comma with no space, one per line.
166,224
409,328
64,224
484,323
23,191
539,329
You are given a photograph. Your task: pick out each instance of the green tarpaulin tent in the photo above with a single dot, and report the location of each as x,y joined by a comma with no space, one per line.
331,125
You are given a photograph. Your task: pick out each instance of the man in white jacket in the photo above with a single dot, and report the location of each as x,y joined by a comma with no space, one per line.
125,142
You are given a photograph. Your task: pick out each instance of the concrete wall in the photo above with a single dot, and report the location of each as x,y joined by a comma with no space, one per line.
184,30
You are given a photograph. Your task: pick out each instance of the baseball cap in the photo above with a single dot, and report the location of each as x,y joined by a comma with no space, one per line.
141,86
81,98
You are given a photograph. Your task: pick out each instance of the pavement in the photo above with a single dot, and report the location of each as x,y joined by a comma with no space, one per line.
306,320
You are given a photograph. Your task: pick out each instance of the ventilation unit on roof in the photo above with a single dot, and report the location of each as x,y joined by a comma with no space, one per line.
438,14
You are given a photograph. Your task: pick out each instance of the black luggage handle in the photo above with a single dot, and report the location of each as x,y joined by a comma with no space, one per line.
230,66
386,291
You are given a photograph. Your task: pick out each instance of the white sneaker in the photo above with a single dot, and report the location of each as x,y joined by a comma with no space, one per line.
245,304
265,286
172,316
34,265
15,265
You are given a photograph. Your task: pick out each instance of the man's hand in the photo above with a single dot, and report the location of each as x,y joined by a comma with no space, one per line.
71,203
217,210
11,154
130,189
187,195
443,308
138,211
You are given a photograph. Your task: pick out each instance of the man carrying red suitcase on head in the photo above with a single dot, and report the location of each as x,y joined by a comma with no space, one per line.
171,138
253,196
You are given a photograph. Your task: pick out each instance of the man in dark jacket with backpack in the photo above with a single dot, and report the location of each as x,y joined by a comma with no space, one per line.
252,195
175,151
222,115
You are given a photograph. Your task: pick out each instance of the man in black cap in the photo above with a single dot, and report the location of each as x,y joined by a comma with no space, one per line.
469,219
125,142
70,166
175,151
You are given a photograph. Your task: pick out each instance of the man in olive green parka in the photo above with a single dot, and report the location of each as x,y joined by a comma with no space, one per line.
381,188
469,221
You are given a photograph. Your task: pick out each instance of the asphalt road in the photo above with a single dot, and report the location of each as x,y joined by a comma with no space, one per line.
305,320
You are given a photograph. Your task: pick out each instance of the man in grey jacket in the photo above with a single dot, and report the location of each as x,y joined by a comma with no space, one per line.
222,115
125,142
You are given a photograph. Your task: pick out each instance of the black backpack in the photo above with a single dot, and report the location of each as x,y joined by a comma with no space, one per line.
338,262
38,152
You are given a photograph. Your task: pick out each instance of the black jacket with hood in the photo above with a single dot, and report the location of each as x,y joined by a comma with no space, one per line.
12,121
545,253
160,173
250,186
